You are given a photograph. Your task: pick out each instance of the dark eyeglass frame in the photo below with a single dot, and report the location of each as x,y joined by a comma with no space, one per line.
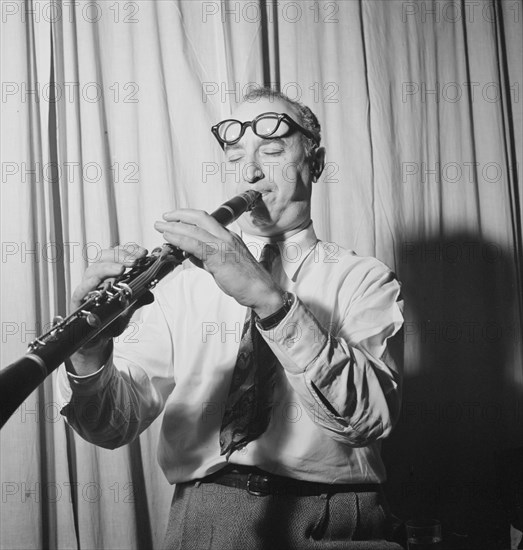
282,117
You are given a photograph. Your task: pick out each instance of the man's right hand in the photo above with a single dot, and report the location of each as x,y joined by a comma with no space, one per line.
111,264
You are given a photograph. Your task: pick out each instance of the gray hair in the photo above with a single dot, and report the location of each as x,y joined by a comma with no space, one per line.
307,118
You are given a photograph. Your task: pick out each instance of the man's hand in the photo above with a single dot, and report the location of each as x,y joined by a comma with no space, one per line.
225,256
111,264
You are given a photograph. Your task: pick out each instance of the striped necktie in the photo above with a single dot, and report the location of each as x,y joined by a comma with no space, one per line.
249,403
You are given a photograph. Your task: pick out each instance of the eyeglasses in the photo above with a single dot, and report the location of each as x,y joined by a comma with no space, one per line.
266,125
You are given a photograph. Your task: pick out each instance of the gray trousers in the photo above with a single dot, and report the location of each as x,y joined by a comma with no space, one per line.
211,516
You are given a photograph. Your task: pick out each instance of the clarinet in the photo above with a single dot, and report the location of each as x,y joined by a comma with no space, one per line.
100,308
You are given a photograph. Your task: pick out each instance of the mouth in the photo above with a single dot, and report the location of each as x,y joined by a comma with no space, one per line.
264,196
261,203
263,193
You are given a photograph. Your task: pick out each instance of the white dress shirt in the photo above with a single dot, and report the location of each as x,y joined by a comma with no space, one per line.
337,393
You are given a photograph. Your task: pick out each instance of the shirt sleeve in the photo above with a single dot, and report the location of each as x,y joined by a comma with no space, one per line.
112,406
348,379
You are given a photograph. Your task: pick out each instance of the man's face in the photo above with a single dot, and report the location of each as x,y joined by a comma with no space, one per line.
277,168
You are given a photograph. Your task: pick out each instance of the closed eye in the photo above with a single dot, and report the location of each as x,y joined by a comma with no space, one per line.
273,152
234,158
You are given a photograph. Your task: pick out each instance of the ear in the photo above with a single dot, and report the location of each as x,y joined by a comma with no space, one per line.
317,163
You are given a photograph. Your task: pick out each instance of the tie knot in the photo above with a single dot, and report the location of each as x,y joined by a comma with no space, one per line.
269,253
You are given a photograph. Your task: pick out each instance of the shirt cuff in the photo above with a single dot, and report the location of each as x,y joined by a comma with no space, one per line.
91,384
297,340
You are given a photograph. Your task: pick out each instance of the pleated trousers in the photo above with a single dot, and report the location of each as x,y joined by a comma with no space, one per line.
210,516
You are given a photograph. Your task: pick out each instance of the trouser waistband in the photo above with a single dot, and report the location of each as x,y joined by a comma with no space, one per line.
260,483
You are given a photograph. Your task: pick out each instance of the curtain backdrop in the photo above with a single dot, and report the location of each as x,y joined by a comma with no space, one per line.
106,115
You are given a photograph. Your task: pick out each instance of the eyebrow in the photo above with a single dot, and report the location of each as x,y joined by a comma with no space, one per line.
234,147
279,140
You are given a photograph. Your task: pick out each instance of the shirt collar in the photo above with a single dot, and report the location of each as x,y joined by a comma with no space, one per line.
293,250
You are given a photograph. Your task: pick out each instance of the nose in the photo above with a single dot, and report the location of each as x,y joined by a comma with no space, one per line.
252,172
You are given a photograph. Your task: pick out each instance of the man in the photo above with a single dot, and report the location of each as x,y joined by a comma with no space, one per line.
303,470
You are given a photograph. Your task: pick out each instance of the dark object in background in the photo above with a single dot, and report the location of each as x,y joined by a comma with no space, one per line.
510,468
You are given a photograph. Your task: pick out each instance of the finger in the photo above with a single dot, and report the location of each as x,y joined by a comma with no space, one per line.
189,244
188,230
125,254
132,251
103,270
93,277
199,218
